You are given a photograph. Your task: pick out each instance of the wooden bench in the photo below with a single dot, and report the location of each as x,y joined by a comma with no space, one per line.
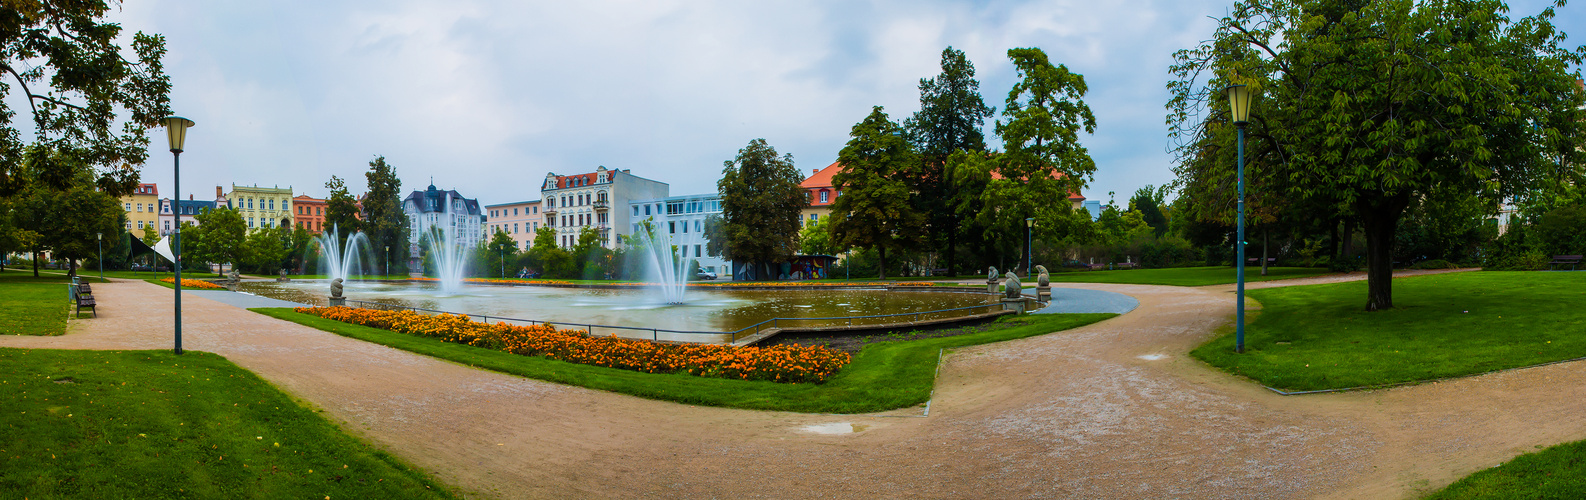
1571,260
1257,260
88,302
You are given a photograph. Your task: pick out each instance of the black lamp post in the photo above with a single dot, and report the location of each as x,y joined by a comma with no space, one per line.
1029,224
101,238
176,133
1239,110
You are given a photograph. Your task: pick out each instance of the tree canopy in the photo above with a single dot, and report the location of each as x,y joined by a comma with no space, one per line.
761,201
876,209
1366,107
341,209
383,220
950,118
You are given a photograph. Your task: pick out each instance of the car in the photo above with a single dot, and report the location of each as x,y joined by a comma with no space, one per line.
705,275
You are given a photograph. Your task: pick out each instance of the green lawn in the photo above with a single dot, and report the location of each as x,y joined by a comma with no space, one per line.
1184,276
883,376
1320,336
149,424
34,306
1556,472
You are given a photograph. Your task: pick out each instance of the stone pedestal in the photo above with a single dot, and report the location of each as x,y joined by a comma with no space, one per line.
991,287
338,301
1043,293
1013,304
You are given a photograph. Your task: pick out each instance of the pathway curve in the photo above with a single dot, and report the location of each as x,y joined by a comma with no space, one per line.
1110,410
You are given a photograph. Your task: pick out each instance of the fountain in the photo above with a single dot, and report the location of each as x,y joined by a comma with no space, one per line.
337,261
664,268
451,259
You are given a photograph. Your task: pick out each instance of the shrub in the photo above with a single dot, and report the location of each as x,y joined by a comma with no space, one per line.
1434,264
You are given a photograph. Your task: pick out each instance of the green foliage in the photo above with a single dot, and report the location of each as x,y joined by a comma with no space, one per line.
1364,109
265,249
816,239
66,222
876,209
492,257
1148,202
1562,231
63,59
1448,325
881,377
140,424
218,238
1182,276
384,223
761,201
546,257
950,118
1557,472
341,209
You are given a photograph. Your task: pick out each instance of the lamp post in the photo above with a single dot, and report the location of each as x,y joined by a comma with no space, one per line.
176,133
1029,224
387,260
1239,110
101,238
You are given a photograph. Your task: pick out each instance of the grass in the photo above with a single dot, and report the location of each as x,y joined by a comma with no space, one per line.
1556,472
883,376
34,306
1184,276
143,424
1320,336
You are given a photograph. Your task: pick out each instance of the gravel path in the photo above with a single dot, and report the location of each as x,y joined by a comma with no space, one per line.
1110,410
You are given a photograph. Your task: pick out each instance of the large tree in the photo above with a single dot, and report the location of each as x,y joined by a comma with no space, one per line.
62,60
341,209
1041,162
760,203
383,221
876,209
66,222
950,118
218,238
1365,107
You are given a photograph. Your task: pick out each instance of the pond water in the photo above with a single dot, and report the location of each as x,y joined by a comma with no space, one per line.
703,310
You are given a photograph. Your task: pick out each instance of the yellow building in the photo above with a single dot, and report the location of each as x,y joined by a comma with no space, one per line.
142,208
262,207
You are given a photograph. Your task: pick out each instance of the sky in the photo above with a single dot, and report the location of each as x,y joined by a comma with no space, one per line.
487,97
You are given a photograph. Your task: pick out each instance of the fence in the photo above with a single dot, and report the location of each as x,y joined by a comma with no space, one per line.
682,335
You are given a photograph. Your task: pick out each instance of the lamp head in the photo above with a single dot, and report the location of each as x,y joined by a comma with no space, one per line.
176,131
1239,103
1029,222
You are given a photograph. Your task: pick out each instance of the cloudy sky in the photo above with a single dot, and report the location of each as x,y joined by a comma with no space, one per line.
486,97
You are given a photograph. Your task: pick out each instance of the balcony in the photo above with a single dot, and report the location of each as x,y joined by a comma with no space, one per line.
549,211
602,205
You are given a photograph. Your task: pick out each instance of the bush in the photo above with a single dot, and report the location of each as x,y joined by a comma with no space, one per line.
1434,264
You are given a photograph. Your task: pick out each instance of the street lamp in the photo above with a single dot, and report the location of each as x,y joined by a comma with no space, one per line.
101,238
1239,110
176,133
1029,224
387,260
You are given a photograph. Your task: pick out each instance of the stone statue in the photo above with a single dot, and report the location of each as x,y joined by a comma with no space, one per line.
1014,289
1043,285
1043,279
232,279
991,274
283,276
335,288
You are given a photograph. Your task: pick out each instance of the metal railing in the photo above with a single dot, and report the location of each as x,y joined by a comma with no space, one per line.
675,335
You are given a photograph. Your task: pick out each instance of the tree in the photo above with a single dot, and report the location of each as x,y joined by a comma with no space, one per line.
66,222
816,238
76,81
341,209
265,249
1365,108
546,256
383,221
876,209
950,116
1148,201
150,235
1041,162
500,250
220,237
761,201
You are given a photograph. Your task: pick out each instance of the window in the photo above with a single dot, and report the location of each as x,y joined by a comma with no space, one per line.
140,207
825,196
696,229
696,251
685,227
319,210
250,222
167,225
129,207
646,210
140,224
815,217
672,226
514,228
536,226
536,209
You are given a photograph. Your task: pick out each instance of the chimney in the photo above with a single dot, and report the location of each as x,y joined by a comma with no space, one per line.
814,171
217,191
189,197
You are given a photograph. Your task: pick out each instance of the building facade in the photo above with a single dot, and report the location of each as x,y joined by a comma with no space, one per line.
447,211
519,220
309,213
189,210
822,194
571,203
262,207
142,208
682,218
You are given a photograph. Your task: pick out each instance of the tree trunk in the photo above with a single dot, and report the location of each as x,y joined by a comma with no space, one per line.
71,268
1381,222
35,263
1263,252
1348,240
882,269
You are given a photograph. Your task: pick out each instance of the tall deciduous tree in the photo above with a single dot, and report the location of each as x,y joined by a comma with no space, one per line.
341,209
1365,107
383,220
218,238
761,200
950,118
876,209
66,221
62,59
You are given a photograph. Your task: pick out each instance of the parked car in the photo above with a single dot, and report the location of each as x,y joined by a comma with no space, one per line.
141,267
705,275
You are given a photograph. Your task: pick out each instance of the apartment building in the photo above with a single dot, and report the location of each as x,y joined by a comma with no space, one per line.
519,220
571,203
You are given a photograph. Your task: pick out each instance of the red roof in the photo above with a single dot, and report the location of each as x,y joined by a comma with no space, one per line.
822,177
566,181
147,188
1055,175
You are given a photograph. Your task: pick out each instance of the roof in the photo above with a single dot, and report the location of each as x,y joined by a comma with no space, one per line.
147,188
1055,175
823,177
471,207
513,203
303,198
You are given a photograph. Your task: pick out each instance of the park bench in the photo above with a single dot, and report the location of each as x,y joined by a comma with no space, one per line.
85,298
1257,260
1571,260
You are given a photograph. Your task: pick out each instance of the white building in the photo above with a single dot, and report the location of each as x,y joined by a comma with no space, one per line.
446,211
571,203
683,219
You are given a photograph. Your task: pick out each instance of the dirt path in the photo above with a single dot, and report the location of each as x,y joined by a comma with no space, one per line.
1111,410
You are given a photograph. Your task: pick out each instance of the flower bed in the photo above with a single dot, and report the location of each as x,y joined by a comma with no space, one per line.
781,363
187,283
488,281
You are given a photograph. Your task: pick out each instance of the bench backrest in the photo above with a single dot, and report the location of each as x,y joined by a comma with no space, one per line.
1567,257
